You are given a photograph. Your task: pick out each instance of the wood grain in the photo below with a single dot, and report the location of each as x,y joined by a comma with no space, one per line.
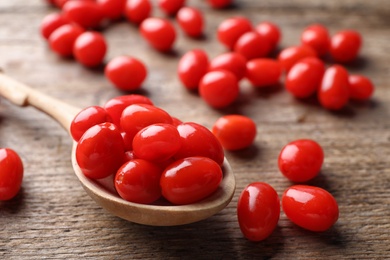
52,217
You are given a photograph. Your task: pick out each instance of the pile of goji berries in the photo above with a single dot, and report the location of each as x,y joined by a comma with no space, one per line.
149,153
73,32
70,33
248,57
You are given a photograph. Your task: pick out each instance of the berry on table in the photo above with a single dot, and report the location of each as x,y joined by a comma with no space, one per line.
304,78
191,21
253,45
231,29
345,46
360,87
136,11
219,88
86,14
159,33
192,66
291,55
11,173
270,31
126,73
235,132
310,207
230,61
317,37
301,160
90,48
63,38
51,22
263,72
258,211
333,93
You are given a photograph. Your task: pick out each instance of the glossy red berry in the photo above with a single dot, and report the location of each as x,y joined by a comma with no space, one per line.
231,29
345,45
218,4
170,7
116,105
219,88
87,118
190,180
317,37
51,22
126,73
159,33
291,55
138,181
63,38
197,140
269,31
11,173
100,151
86,14
301,160
157,142
112,9
360,87
235,132
258,211
252,45
333,93
309,207
191,21
138,116
192,67
263,72
90,49
304,78
230,61
137,10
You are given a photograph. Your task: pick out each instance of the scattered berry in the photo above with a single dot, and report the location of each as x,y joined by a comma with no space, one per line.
333,93
235,132
126,73
90,48
230,30
360,87
345,46
258,211
301,160
263,72
191,21
11,173
159,33
219,88
310,207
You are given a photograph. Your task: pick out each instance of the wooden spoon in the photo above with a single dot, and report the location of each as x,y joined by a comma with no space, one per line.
154,215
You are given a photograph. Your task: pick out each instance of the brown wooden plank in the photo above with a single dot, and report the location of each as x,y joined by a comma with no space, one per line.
52,217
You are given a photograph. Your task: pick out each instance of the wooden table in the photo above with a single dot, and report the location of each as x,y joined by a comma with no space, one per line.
52,217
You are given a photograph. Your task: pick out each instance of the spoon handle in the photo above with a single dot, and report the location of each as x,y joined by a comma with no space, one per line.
22,95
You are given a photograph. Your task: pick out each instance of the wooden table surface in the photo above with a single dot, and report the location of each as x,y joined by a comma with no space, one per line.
52,217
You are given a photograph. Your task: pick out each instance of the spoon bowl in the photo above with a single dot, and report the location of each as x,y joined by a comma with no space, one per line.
159,214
